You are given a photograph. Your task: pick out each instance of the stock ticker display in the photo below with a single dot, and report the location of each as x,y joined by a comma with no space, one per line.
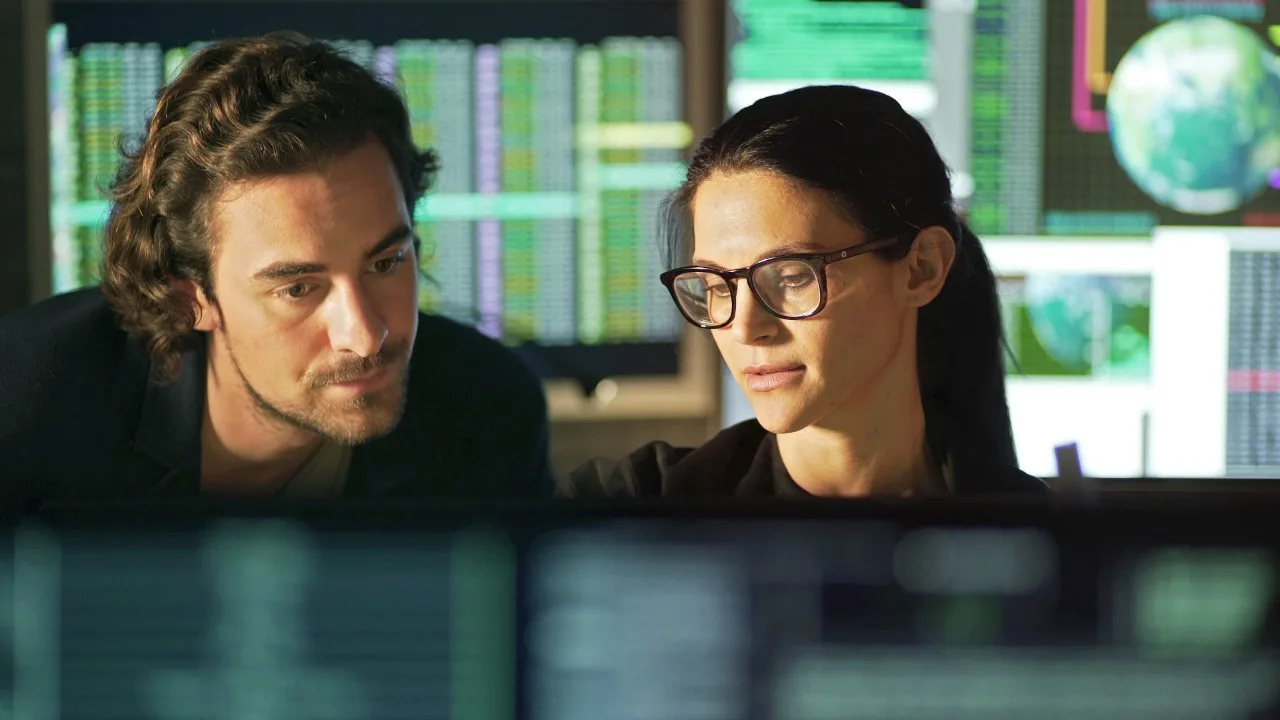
273,620
559,126
1005,121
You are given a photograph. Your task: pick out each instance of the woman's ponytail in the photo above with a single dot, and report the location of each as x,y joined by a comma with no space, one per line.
961,351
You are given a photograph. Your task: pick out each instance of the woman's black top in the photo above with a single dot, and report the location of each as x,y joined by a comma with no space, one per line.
743,461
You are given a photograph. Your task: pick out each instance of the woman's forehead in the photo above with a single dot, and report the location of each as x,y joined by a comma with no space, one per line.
742,217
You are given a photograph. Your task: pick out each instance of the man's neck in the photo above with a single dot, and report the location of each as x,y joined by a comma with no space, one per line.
243,452
874,445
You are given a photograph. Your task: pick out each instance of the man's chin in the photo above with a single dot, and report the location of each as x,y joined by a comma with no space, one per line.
359,427
365,418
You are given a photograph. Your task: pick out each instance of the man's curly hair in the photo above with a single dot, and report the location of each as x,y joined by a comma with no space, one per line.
239,110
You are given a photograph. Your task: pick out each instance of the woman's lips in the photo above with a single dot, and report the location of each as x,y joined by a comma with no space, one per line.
767,378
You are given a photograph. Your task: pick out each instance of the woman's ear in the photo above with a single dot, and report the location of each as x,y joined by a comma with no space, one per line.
928,264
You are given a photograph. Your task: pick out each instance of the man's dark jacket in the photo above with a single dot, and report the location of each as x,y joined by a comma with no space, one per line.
80,420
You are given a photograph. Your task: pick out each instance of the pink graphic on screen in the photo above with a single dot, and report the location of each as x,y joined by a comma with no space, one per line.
1086,118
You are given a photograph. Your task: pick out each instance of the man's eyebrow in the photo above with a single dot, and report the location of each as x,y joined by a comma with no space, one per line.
285,269
393,238
802,248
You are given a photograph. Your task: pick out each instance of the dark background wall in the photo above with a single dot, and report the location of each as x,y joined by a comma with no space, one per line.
14,283
23,163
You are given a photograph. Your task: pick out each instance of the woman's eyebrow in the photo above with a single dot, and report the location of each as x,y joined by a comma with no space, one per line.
788,249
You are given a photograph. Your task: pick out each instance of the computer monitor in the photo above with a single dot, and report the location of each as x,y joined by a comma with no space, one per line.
1215,340
561,125
805,611
1160,114
969,71
1077,319
1080,117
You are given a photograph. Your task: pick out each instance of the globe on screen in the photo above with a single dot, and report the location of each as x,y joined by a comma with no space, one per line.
1085,324
1194,114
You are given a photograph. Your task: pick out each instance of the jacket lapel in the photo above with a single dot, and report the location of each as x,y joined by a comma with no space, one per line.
169,427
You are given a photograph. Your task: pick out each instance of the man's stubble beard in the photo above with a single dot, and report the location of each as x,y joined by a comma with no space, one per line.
316,419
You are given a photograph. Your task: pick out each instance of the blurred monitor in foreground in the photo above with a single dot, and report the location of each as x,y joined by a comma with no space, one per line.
849,612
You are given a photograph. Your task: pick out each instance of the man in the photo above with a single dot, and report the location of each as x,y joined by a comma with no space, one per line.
256,332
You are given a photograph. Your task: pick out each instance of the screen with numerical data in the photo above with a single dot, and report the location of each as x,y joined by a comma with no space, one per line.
603,618
559,125
1253,364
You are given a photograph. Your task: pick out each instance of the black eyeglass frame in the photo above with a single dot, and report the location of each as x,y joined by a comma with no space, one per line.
817,261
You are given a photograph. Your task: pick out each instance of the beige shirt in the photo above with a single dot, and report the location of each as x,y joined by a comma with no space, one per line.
323,477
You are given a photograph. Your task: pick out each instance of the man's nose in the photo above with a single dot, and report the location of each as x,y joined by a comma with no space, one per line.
355,325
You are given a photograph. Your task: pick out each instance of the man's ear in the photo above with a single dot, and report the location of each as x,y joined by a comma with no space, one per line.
207,317
928,264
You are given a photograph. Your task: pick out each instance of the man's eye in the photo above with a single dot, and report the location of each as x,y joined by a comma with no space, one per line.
296,291
387,265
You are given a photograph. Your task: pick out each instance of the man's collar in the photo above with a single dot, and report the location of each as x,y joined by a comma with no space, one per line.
169,433
395,465
386,467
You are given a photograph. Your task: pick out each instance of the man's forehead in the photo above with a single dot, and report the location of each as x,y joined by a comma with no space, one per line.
248,231
297,217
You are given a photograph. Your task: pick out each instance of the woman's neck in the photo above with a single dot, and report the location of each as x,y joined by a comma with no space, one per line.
875,445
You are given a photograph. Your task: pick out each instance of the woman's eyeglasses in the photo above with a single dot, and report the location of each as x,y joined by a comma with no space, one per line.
791,287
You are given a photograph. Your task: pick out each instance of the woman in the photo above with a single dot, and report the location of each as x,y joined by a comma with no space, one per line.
855,309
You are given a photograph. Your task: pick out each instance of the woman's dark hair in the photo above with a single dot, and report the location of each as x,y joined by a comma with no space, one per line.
239,110
881,169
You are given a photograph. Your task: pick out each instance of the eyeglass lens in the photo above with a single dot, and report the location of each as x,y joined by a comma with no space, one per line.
787,288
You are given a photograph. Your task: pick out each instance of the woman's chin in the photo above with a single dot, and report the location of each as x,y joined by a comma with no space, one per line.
780,423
